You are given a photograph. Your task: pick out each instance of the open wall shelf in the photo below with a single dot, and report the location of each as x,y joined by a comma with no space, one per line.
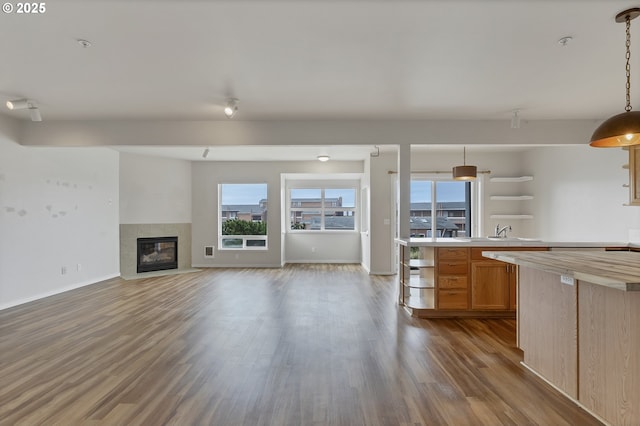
511,216
511,179
511,197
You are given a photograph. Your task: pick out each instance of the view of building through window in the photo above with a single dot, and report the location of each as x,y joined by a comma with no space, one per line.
321,209
243,216
452,208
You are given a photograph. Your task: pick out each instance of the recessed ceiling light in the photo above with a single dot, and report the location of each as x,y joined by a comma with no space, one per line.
323,158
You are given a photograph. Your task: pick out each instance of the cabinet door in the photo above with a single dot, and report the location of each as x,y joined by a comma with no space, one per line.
489,285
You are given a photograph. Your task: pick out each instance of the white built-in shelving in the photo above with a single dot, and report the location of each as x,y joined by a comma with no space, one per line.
512,197
511,216
418,279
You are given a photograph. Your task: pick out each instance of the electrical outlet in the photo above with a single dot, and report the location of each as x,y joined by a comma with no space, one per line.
566,279
63,270
79,267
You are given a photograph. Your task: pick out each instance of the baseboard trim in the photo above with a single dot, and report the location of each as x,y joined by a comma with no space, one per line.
54,292
565,394
234,265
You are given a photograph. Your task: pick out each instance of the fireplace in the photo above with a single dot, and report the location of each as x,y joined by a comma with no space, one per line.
157,254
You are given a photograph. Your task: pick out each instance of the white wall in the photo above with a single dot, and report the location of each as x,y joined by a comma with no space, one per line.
579,194
381,244
365,215
206,177
323,247
154,189
500,163
58,208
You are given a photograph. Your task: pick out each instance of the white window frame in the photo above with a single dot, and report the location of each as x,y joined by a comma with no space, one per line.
323,186
246,239
475,197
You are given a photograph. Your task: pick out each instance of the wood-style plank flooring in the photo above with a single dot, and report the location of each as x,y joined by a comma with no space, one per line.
301,345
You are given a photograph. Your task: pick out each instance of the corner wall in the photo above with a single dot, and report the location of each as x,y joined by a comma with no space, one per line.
58,220
206,177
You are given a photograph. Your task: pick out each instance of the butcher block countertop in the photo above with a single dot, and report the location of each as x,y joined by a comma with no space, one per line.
615,269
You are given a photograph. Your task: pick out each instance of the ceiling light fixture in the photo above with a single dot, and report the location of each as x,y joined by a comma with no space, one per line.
84,43
323,158
515,119
231,108
564,41
465,172
622,129
31,105
205,153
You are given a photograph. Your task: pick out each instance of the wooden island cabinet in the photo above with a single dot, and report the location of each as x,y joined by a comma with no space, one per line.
579,327
464,284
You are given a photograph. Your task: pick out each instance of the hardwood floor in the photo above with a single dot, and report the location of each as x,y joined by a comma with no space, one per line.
301,345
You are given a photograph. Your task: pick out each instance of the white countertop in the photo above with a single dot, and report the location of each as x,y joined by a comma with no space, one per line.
506,242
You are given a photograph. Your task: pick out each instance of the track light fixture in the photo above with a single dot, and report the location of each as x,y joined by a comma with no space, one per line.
231,108
621,129
205,153
31,105
515,119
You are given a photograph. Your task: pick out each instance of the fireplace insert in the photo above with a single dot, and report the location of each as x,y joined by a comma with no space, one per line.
157,254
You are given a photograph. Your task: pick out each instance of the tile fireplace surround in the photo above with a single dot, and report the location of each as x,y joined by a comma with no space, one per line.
129,234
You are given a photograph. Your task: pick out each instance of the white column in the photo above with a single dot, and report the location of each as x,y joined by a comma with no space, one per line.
404,190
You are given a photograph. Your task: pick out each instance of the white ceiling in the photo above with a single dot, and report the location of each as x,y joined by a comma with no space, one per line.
319,59
316,60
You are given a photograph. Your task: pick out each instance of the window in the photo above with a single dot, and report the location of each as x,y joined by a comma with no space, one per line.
322,209
448,201
243,216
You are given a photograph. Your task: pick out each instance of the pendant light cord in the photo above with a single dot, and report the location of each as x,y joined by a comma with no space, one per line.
628,65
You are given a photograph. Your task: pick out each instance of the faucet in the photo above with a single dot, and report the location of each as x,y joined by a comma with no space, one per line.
503,230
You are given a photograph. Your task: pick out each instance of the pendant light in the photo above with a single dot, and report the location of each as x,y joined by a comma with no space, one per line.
622,129
465,172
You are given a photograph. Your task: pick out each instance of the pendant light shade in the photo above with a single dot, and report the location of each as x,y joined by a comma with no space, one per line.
622,129
465,172
619,130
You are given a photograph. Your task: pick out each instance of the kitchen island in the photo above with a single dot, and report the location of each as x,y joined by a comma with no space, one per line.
579,326
449,277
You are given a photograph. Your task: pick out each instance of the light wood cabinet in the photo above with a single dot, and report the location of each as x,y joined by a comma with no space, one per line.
494,283
490,285
452,278
458,282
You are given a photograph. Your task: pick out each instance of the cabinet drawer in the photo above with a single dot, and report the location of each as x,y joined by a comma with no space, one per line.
453,253
452,281
452,299
452,268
